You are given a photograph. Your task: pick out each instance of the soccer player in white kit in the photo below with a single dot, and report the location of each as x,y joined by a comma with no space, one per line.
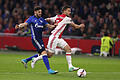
55,39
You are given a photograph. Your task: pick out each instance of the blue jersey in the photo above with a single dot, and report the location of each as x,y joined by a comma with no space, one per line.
37,25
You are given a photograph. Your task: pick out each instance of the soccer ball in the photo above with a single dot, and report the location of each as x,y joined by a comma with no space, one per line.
81,73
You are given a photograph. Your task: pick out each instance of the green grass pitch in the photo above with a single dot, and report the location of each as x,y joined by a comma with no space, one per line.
98,68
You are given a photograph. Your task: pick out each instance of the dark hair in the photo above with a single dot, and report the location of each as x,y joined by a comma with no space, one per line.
105,34
37,8
65,7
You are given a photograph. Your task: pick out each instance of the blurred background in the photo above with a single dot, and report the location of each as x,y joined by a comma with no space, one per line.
99,16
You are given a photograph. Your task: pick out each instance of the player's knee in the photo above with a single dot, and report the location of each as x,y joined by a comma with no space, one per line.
50,55
43,52
68,50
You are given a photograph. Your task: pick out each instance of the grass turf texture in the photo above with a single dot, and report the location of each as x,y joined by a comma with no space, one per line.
98,68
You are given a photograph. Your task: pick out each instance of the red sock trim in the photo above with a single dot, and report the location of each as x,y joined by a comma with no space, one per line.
68,54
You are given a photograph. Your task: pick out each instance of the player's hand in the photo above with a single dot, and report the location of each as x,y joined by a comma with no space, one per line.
52,26
82,25
56,24
16,26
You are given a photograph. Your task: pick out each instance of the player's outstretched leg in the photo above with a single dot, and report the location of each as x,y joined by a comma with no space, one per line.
34,60
25,61
46,62
69,60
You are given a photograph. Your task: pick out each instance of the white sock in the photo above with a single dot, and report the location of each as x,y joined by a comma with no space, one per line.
38,58
69,59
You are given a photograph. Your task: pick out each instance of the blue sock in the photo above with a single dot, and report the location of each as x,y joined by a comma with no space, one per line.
30,58
46,62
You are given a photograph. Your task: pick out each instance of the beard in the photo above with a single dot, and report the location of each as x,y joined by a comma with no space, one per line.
38,16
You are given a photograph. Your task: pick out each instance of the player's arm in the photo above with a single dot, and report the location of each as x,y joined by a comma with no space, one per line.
50,26
48,19
25,24
22,25
77,26
51,19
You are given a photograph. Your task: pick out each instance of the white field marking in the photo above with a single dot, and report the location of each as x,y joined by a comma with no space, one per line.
7,73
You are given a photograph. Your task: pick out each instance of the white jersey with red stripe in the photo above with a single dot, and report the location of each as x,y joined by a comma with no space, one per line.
55,38
62,21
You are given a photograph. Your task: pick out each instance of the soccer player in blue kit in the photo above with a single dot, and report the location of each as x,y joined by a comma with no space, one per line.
37,22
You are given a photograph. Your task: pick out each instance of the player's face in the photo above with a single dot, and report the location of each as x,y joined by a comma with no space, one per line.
38,13
68,11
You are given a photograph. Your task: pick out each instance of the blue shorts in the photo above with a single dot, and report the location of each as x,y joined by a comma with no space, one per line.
39,45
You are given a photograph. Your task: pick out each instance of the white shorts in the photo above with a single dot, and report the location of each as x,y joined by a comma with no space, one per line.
55,42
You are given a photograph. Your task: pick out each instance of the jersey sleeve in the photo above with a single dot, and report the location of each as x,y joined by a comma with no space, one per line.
29,20
53,18
68,20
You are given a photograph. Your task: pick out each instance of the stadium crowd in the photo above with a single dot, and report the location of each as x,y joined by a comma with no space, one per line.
99,16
